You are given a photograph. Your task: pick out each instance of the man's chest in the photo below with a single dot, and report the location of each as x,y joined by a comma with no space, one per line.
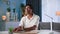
30,22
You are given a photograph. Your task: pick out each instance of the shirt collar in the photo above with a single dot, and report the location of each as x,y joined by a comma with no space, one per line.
32,16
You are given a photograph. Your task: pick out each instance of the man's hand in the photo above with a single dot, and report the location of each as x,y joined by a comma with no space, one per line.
31,28
25,29
18,29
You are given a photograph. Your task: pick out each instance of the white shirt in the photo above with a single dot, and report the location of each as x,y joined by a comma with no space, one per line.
29,22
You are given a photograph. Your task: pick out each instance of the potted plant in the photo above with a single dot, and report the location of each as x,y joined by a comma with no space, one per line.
8,13
11,30
14,10
8,9
14,14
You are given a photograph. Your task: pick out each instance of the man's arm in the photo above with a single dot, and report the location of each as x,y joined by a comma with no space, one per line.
30,28
20,26
18,29
25,29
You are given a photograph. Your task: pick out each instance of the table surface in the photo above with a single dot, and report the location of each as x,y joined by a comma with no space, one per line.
33,32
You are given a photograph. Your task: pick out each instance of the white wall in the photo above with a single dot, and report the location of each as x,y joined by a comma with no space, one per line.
50,7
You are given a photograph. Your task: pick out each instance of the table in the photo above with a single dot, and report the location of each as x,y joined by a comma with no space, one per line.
32,32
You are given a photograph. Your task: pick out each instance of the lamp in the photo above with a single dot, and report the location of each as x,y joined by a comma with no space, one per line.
50,23
58,13
3,17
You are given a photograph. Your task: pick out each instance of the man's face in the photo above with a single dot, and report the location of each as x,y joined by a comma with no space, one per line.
28,10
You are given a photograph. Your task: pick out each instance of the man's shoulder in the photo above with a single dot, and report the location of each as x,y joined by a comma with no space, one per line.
23,17
36,16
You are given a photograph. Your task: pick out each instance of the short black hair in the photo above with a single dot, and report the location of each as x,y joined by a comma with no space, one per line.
29,5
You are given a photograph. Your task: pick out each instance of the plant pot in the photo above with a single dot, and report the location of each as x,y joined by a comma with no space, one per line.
10,32
8,16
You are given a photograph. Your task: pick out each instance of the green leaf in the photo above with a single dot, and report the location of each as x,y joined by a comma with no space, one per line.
10,29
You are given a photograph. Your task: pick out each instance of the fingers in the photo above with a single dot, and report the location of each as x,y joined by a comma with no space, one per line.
14,29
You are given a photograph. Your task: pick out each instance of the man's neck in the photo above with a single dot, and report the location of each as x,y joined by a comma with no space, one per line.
30,16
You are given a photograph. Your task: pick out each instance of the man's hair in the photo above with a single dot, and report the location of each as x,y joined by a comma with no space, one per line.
29,5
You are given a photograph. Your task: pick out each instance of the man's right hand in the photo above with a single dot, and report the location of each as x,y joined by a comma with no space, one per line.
18,29
30,28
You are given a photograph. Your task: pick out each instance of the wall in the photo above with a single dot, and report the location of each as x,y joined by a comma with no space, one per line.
2,12
50,7
12,4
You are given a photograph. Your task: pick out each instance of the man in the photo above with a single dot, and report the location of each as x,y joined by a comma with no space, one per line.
29,22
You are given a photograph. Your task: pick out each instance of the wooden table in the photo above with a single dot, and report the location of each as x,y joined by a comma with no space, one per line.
30,32
39,32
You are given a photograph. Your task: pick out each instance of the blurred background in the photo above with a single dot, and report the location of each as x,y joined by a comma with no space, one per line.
11,12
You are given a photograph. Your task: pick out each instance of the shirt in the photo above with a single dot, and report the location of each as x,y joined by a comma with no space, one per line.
30,22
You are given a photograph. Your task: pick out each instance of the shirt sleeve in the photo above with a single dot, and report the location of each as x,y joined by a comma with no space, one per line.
37,23
21,22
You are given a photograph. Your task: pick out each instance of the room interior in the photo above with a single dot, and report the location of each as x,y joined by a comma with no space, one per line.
49,11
